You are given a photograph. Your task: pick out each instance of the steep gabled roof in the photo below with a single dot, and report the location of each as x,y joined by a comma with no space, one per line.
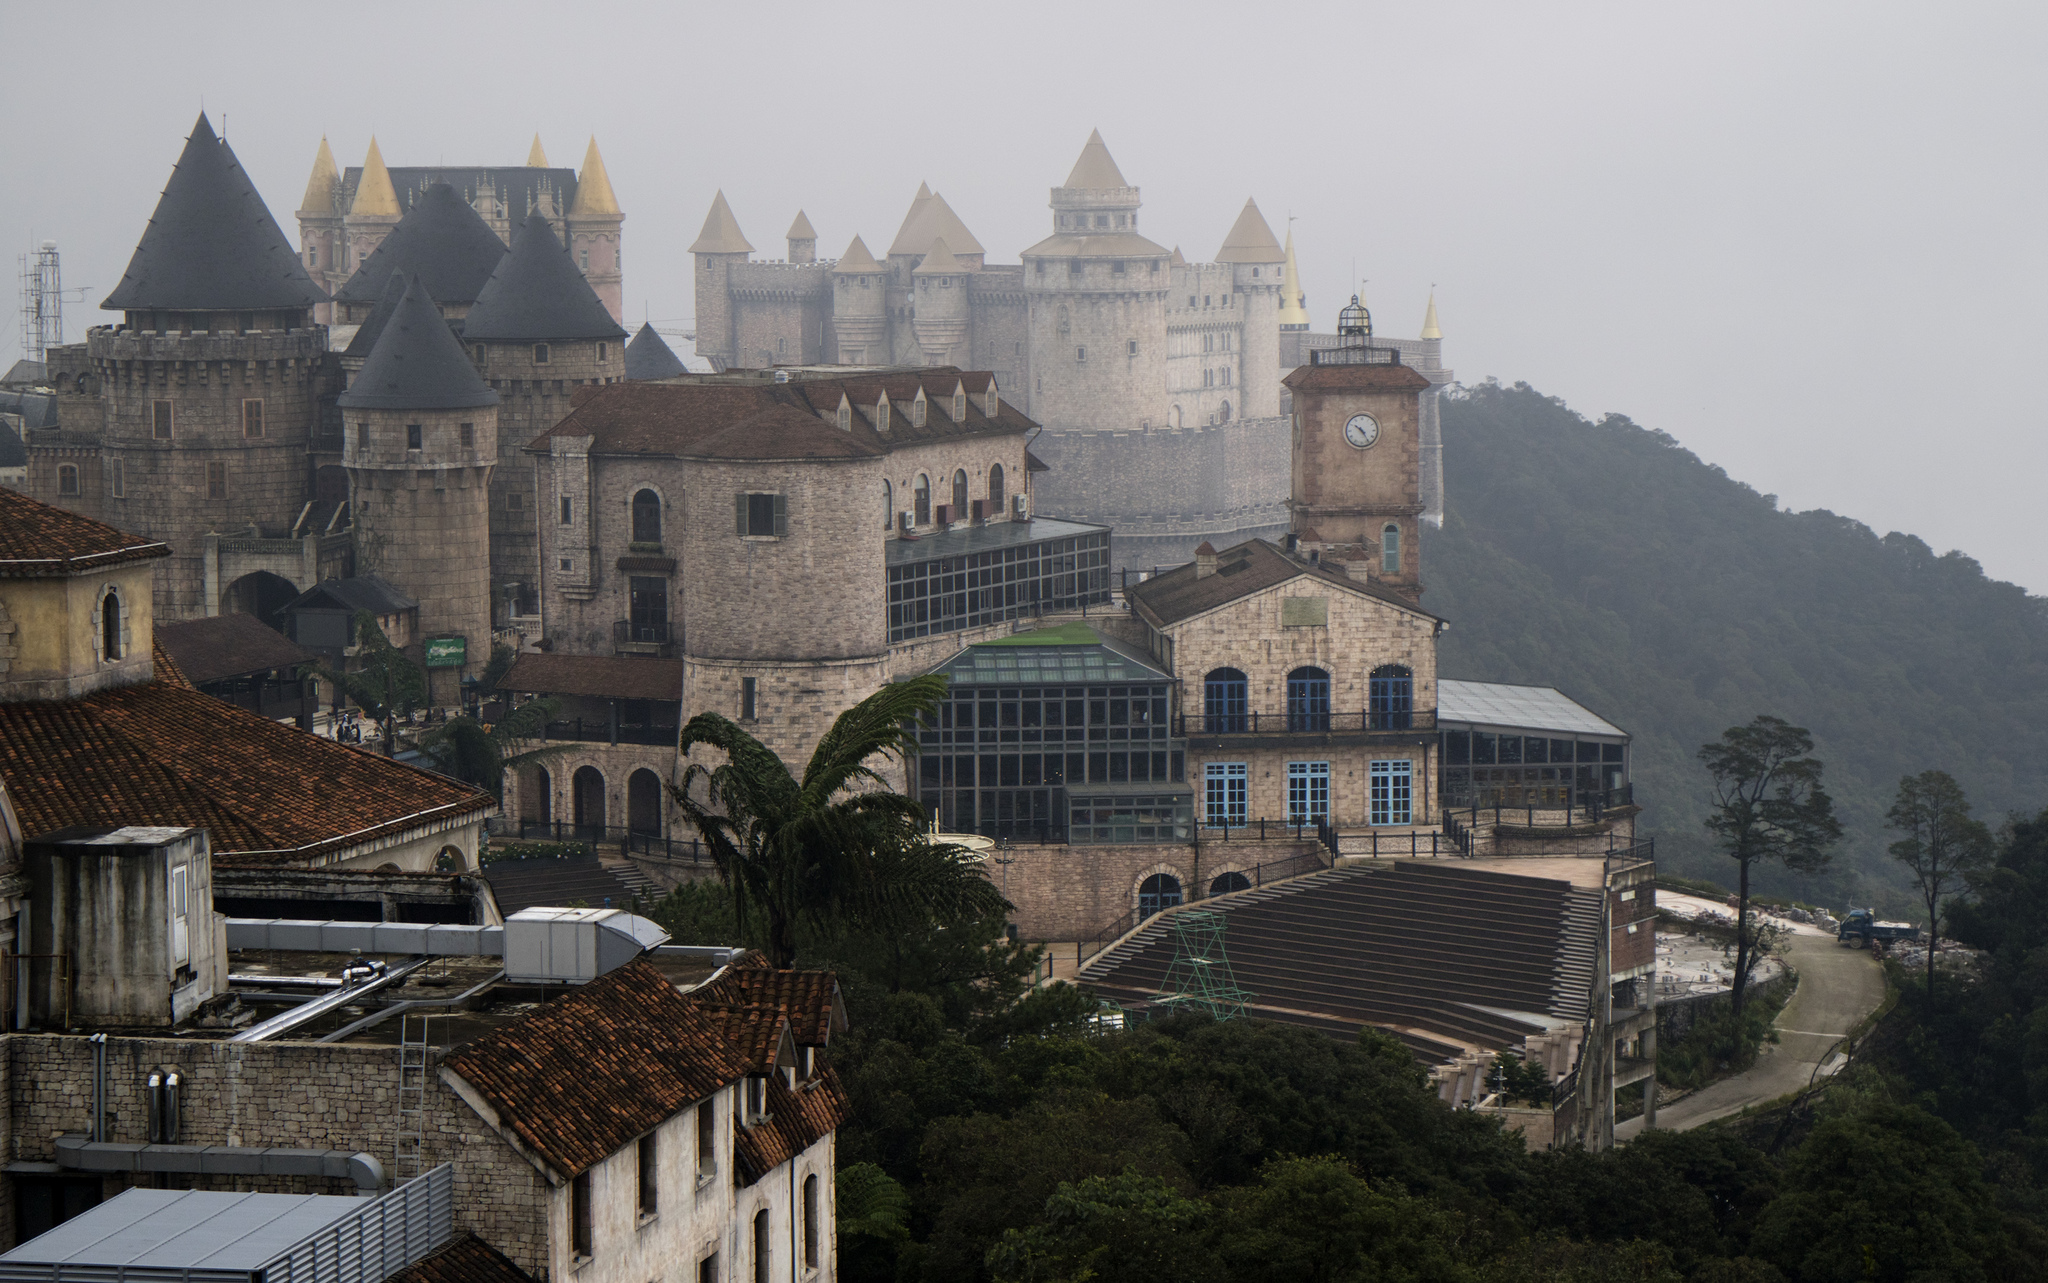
38,541
467,1259
1250,240
441,241
417,364
1094,168
536,293
216,646
363,592
721,234
212,245
649,356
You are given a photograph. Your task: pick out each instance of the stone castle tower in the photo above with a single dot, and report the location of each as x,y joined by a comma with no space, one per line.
420,441
344,217
193,415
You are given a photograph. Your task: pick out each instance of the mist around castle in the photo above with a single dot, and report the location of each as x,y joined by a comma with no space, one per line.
982,750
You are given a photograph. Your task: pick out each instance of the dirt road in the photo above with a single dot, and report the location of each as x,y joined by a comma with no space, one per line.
1837,988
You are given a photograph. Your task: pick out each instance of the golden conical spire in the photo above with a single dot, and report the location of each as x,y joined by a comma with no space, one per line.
1293,307
1429,327
374,192
594,197
535,157
320,187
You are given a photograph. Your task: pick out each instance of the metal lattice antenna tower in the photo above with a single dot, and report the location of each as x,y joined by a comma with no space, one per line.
42,302
1199,976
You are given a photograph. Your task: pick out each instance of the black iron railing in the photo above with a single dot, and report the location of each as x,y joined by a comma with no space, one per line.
1356,354
1304,723
650,638
1562,806
627,840
605,732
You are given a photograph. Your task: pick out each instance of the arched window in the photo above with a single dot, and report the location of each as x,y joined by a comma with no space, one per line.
1173,417
586,800
888,506
960,495
537,798
921,493
1225,413
1390,550
1308,700
761,1246
995,490
811,1222
1393,698
110,627
1225,883
1223,701
647,517
1160,891
643,803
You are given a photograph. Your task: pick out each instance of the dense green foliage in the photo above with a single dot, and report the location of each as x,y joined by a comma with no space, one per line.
1606,560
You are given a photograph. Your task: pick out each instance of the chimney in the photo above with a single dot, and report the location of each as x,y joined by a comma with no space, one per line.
1205,560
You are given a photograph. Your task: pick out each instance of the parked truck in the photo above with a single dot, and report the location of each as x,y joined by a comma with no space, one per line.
1861,926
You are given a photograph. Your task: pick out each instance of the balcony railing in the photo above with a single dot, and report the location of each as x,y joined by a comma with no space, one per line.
629,638
606,733
1354,354
1304,723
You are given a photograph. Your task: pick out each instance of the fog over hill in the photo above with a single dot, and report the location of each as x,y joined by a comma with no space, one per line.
1607,560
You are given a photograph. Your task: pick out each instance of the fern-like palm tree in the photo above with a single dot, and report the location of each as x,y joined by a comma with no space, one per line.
464,748
837,841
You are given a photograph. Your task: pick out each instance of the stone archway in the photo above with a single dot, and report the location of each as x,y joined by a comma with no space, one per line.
262,594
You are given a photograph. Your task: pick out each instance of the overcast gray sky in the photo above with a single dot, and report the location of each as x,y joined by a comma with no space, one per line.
1805,239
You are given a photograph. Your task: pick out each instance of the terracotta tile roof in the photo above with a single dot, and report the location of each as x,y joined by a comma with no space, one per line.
1392,378
755,1034
463,1260
709,419
583,1076
810,999
37,541
161,753
798,1120
1249,567
601,676
165,666
209,649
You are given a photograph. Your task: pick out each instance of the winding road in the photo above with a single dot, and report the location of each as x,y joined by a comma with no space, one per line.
1837,988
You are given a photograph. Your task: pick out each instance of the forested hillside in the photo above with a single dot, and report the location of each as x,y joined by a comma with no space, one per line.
1610,562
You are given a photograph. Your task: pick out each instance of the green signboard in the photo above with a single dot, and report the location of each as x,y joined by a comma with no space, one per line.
447,652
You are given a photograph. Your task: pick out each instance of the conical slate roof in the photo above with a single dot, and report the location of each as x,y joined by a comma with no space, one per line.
721,234
1250,240
441,241
1094,168
212,245
537,294
418,364
649,356
856,261
373,325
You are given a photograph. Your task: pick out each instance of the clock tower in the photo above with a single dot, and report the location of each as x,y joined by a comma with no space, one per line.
1357,494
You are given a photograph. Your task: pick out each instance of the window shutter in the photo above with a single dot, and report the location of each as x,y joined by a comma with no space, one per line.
739,513
781,515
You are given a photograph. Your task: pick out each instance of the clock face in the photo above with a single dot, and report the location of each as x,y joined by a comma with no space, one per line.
1361,430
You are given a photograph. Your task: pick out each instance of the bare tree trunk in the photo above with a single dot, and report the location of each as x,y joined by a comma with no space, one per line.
1933,939
1741,939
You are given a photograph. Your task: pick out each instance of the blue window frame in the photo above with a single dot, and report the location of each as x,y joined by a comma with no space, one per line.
1393,792
1160,891
1224,786
1308,700
1308,792
1392,696
1223,701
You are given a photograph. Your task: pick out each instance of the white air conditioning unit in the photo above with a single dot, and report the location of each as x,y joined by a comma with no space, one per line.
1017,506
905,523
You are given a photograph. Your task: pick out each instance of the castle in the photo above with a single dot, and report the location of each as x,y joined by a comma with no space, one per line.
1156,380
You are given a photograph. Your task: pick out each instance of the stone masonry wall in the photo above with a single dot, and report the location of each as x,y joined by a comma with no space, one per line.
533,398
304,1095
1068,893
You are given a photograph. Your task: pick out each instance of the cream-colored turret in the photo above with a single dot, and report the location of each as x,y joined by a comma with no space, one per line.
593,222
718,248
803,240
1257,275
321,242
940,316
860,297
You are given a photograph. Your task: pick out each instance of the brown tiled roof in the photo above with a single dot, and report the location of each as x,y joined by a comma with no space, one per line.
228,646
165,666
809,998
601,676
755,1033
1242,570
797,1120
463,1260
581,1077
159,753
39,541
1377,378
709,419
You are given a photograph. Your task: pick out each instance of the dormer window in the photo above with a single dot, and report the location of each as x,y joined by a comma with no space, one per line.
990,408
845,415
917,409
882,414
959,405
756,1089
